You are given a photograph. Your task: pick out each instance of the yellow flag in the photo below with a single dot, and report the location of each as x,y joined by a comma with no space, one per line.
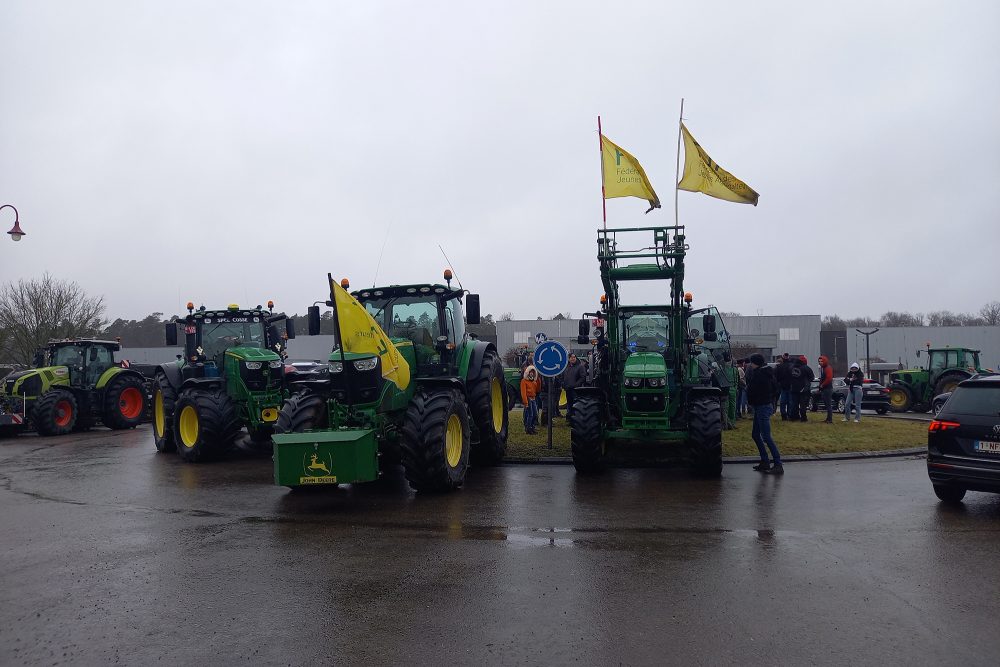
702,174
623,175
360,333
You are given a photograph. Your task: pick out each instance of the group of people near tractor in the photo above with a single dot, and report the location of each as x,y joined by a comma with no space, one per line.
533,384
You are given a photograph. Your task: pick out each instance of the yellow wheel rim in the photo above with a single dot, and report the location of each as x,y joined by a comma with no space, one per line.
453,441
189,426
159,421
897,398
949,387
496,395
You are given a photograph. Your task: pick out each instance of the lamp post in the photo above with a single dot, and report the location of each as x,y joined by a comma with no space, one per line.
868,354
16,232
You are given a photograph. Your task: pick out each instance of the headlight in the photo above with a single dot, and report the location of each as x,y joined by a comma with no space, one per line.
657,382
366,364
632,382
253,365
336,367
277,363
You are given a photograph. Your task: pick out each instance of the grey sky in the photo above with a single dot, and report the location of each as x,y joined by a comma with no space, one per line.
237,151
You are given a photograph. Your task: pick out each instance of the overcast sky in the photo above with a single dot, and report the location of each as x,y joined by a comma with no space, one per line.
160,152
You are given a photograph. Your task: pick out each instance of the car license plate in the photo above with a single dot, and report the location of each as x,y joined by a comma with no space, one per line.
871,393
987,446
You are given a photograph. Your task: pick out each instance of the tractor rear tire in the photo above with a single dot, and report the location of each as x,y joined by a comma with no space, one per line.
205,424
164,400
55,412
900,398
435,444
488,405
124,402
301,412
587,436
705,435
948,382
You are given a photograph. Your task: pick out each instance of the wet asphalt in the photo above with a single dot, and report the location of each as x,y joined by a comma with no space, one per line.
112,553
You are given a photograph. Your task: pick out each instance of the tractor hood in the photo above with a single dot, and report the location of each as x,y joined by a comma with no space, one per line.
50,373
645,365
252,354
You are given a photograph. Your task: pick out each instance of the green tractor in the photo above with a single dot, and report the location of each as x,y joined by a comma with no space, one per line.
660,384
915,388
74,385
350,425
230,376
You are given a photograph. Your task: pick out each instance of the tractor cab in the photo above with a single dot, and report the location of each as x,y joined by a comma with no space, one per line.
711,353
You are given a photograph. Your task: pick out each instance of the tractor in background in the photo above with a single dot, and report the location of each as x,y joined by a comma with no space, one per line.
230,376
452,411
660,384
75,384
915,388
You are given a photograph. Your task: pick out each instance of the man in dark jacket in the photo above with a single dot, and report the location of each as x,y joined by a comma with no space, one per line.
807,377
783,374
574,376
760,389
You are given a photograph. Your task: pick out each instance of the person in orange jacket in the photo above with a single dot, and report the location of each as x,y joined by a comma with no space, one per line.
826,386
531,385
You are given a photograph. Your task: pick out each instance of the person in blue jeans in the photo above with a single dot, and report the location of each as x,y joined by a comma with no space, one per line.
760,390
855,387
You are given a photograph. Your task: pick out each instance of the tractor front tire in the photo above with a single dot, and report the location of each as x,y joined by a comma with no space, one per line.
488,405
436,441
164,401
301,412
587,436
205,424
705,435
948,382
124,402
55,412
900,398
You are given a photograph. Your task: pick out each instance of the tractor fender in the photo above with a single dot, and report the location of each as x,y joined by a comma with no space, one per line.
172,373
114,372
479,350
201,383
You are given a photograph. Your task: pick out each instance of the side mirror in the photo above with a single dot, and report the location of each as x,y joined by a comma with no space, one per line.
171,334
584,329
39,359
472,309
313,320
918,354
290,328
708,323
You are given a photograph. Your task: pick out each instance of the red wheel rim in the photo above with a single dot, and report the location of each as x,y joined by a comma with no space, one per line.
130,403
64,412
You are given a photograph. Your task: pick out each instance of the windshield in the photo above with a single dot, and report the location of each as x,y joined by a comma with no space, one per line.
217,337
415,318
69,355
719,347
646,332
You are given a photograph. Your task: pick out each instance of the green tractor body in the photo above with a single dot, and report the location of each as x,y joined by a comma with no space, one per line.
75,385
230,376
347,426
915,388
659,371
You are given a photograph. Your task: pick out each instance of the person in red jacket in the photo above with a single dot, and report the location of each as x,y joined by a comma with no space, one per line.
531,385
826,387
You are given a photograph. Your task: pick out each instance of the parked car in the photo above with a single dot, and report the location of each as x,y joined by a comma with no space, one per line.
963,441
875,396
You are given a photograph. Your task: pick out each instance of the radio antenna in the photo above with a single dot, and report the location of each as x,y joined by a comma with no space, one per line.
380,252
453,271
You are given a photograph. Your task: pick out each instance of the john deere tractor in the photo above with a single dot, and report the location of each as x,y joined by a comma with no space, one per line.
231,375
453,407
915,388
660,382
75,384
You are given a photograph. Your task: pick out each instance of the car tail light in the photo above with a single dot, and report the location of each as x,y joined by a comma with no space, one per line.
939,425
885,391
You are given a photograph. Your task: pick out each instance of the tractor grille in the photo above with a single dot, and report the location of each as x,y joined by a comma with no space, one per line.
644,402
260,379
356,386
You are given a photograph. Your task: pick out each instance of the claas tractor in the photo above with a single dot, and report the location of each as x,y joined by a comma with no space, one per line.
75,384
915,388
230,376
449,409
659,370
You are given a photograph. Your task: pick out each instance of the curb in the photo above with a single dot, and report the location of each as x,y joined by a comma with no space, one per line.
842,456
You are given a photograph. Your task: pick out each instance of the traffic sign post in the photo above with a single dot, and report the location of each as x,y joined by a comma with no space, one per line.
550,360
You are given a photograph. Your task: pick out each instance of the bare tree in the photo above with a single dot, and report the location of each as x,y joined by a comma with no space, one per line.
34,311
900,319
942,318
506,317
991,313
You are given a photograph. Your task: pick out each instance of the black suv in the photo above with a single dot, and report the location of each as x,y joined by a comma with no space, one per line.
963,441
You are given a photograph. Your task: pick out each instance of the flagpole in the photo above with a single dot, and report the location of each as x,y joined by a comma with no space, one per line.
600,146
677,178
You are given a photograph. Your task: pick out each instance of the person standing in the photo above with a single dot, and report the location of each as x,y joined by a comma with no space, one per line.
574,376
826,387
807,378
855,388
741,386
783,374
795,388
530,386
760,389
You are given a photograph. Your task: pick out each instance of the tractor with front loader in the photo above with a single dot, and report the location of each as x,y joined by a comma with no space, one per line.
74,385
448,408
230,376
660,382
915,388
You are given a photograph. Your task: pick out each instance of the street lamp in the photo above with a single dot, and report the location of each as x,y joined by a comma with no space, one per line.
16,232
868,354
